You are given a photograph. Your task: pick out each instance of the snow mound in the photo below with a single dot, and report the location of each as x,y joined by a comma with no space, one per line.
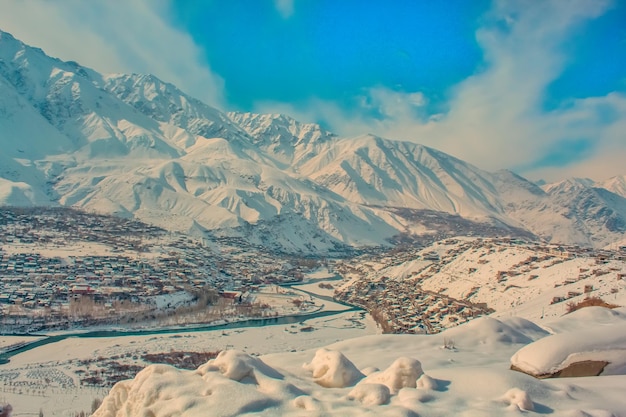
516,397
237,365
370,394
471,381
306,402
597,350
427,382
402,373
489,331
586,317
232,384
331,369
161,390
524,327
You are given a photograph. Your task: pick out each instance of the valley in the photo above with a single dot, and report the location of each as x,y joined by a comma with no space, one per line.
134,146
64,269
162,257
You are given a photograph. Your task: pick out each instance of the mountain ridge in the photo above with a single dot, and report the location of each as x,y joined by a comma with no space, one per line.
136,146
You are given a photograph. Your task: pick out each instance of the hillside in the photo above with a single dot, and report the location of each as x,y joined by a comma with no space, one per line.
135,146
454,280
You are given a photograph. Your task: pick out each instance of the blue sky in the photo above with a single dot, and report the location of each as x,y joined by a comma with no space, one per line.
534,86
333,49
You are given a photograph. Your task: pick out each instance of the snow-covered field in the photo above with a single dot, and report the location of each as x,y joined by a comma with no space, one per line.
40,391
262,371
381,375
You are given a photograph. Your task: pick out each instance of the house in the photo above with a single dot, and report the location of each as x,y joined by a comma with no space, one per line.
79,290
233,295
431,256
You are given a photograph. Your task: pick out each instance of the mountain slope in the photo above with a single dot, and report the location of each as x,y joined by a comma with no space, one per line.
616,185
374,171
288,142
88,121
136,146
596,215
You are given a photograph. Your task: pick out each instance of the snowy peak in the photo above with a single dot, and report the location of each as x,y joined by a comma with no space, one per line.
21,64
595,212
568,185
286,140
135,145
164,102
374,171
274,128
615,185
84,118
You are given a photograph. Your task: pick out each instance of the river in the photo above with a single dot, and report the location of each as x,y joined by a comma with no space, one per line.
252,322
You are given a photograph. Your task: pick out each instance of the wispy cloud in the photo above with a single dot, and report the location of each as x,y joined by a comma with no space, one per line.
115,36
285,7
496,117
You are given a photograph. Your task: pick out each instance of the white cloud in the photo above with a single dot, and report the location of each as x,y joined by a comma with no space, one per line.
588,118
495,118
284,7
114,36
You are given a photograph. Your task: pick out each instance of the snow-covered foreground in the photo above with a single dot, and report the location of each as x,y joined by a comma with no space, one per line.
384,375
339,365
45,377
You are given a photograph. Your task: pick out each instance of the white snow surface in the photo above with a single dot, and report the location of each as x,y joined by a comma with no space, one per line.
261,372
600,342
472,380
135,146
615,184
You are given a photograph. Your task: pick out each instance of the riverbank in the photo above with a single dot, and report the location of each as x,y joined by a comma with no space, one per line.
49,376
50,372
318,305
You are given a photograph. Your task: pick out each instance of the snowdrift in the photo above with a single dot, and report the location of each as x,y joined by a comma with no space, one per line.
380,376
590,352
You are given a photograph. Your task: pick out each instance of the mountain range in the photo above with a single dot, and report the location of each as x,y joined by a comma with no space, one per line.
136,146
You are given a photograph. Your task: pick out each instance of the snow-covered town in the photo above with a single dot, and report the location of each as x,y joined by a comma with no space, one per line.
425,290
146,275
403,307
312,208
91,273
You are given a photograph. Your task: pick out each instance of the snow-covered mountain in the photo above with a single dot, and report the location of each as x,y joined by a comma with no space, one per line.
136,146
573,211
592,212
616,185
